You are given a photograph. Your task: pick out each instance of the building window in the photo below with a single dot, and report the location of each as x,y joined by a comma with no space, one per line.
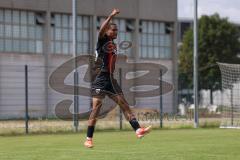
184,26
62,34
125,33
20,31
155,40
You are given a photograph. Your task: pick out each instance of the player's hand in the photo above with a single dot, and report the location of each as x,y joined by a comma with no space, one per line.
115,12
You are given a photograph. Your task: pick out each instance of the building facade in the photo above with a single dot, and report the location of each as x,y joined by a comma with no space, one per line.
39,34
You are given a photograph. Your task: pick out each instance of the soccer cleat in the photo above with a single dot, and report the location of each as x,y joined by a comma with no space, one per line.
141,132
88,143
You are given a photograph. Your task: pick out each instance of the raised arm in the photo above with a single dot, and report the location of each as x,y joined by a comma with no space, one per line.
107,21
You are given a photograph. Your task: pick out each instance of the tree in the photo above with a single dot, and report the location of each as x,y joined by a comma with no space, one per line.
218,42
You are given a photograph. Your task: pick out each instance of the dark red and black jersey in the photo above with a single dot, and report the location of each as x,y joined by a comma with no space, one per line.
107,52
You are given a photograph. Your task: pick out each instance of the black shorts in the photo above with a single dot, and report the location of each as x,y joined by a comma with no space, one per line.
105,84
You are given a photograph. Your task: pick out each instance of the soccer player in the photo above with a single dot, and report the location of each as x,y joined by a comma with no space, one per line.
105,84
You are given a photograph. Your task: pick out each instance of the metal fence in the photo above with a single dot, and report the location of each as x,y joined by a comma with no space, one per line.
40,99
28,102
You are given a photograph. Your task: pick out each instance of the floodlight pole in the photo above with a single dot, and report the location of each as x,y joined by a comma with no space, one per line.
195,60
74,49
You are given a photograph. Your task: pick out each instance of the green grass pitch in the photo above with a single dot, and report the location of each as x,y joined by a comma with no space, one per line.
181,144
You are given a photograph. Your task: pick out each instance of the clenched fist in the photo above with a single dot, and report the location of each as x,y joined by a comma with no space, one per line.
115,12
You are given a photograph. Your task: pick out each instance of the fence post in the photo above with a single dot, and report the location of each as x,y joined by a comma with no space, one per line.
232,108
161,101
76,98
120,111
26,99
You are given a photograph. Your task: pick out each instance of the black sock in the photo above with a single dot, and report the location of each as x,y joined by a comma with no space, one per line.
134,123
90,131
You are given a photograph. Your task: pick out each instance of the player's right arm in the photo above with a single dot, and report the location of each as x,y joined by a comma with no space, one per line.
107,21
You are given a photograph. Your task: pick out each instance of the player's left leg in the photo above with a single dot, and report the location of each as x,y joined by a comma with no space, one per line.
121,101
96,106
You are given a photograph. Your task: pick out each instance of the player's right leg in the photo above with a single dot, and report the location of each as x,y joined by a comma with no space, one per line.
96,104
